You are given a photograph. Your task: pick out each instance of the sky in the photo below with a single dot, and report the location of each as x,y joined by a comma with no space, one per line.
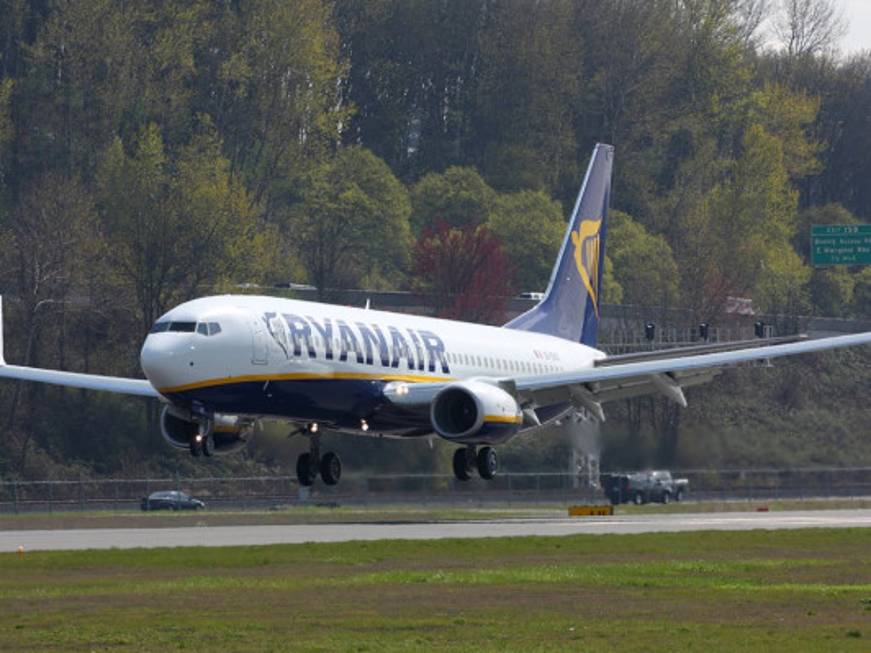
858,15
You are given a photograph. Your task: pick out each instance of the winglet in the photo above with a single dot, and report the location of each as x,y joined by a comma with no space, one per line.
2,361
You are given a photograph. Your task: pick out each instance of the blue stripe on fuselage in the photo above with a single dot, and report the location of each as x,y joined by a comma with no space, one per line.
339,402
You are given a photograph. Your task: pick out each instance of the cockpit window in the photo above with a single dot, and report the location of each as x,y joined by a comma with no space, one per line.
203,328
184,327
208,328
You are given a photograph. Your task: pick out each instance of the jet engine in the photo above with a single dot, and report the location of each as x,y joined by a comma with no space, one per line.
229,432
474,412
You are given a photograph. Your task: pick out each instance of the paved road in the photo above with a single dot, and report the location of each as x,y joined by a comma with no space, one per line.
128,538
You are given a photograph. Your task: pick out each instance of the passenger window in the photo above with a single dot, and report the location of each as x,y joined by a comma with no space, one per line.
203,329
214,328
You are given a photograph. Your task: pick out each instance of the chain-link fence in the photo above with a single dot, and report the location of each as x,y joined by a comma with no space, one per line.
420,489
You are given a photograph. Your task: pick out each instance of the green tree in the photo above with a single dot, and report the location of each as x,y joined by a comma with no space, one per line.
50,246
789,115
271,83
531,227
7,128
530,84
862,293
175,227
612,291
351,225
832,291
644,265
414,73
84,75
732,240
457,196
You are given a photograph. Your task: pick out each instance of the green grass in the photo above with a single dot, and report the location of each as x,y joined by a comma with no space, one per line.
806,590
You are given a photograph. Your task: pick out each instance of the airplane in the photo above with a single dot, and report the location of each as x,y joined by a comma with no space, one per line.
220,364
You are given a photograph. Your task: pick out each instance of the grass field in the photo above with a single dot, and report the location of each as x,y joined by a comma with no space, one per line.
806,590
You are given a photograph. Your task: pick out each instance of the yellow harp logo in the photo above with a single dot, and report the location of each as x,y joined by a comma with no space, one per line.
586,241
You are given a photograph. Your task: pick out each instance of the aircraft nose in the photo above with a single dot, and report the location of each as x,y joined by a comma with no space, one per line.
161,358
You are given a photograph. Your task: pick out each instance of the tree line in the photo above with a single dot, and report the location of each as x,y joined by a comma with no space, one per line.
152,152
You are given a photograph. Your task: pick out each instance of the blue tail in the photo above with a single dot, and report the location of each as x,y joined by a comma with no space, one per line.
570,308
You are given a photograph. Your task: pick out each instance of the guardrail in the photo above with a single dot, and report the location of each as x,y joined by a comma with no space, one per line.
420,489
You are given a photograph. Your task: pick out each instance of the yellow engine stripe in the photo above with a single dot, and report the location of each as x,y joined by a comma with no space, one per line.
504,419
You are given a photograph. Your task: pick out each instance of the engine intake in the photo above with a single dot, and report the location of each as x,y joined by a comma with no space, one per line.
230,433
475,412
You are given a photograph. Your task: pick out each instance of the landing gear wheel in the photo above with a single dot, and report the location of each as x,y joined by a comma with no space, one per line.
487,463
331,468
208,446
306,472
196,448
461,465
666,498
638,498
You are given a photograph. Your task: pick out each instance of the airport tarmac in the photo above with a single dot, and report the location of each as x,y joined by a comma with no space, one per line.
129,538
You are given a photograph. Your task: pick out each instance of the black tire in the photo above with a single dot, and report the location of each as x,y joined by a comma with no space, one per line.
487,463
196,448
331,468
666,498
209,446
638,498
461,465
679,495
306,472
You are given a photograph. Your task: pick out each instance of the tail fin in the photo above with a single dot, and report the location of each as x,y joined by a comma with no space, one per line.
570,308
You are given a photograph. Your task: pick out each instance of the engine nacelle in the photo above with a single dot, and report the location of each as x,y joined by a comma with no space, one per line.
229,432
474,412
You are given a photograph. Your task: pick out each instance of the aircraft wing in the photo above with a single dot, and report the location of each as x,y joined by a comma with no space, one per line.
139,387
610,380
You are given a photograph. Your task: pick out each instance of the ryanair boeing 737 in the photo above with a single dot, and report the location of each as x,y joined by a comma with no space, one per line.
220,364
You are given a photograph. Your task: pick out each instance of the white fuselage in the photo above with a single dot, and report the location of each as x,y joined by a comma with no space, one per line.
264,356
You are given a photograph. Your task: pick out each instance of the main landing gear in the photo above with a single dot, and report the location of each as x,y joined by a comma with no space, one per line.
467,459
310,463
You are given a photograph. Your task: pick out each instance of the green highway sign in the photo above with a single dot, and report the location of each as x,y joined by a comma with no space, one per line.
841,244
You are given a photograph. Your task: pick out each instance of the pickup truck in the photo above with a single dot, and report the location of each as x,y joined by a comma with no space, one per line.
644,487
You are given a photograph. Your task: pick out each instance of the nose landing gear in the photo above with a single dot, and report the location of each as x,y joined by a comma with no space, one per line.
310,463
203,441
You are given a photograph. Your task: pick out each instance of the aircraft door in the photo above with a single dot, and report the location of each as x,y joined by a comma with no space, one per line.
259,343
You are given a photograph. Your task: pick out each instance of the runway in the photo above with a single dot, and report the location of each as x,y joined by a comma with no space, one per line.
129,538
